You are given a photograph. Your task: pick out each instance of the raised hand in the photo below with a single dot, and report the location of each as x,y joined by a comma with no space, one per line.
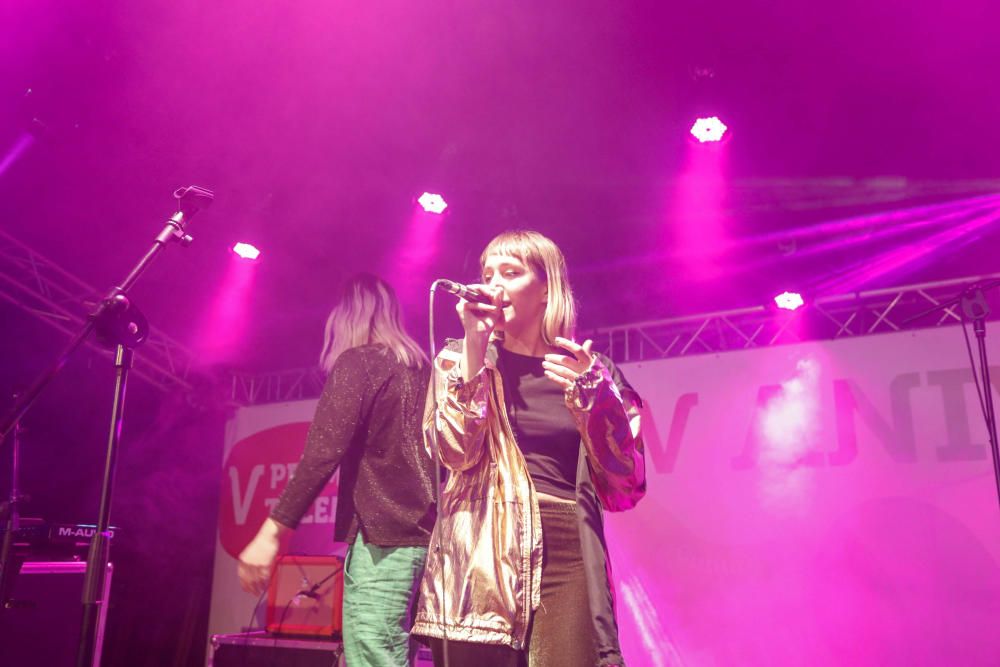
564,369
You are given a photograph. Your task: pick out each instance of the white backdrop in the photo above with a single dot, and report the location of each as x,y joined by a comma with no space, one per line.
828,503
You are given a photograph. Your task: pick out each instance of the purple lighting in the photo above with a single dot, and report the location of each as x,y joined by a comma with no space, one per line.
246,251
20,146
789,300
432,203
708,129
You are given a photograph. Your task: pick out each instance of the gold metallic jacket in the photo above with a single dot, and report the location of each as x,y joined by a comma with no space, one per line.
484,564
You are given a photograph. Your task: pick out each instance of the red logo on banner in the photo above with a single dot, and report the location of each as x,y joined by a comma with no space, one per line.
254,475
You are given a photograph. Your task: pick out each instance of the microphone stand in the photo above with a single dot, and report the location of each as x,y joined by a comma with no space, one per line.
975,308
9,566
117,323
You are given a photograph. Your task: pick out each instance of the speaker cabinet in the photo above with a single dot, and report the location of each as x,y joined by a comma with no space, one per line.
40,625
306,596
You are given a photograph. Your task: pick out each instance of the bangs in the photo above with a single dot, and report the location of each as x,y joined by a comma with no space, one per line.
541,255
515,244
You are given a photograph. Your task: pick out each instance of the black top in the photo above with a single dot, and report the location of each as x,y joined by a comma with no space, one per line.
368,422
590,518
543,426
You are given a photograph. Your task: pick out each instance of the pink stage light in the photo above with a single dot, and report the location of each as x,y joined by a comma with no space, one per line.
246,251
708,129
432,203
789,300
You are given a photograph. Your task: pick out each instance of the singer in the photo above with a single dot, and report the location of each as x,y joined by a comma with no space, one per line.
367,423
539,434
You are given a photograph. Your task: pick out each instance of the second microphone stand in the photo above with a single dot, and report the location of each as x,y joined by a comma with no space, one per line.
974,307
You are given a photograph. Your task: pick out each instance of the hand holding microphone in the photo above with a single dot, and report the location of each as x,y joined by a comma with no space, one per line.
480,309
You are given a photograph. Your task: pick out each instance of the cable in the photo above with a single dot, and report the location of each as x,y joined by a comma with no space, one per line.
974,306
975,371
437,463
253,615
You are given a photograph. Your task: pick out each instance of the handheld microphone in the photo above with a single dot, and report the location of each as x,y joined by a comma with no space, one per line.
460,290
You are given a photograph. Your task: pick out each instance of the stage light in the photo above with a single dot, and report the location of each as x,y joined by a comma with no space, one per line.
432,203
789,300
246,251
708,129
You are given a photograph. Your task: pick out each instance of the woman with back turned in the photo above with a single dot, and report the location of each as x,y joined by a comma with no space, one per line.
367,423
538,434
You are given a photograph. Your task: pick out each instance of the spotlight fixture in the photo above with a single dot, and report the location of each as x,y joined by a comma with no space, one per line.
708,129
789,301
246,251
432,203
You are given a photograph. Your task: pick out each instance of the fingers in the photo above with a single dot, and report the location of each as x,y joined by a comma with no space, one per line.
477,318
496,294
481,318
581,359
561,359
563,369
568,344
482,309
581,352
477,309
560,370
254,578
559,379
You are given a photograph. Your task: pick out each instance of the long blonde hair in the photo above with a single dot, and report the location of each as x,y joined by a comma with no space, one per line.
544,258
368,312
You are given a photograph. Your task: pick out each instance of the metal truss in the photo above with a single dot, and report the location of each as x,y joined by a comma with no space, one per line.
289,385
842,316
827,318
42,288
803,194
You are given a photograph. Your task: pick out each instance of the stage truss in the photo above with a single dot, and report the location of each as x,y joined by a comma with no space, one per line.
39,286
827,318
842,316
44,289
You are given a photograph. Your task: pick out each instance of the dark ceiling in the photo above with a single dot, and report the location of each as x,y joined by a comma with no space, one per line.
316,123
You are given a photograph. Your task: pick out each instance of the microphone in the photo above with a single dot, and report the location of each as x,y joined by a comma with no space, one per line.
309,589
308,593
460,290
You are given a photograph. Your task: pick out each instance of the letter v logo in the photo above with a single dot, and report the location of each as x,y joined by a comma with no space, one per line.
241,506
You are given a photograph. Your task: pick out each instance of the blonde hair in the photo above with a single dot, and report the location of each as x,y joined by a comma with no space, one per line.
366,313
542,256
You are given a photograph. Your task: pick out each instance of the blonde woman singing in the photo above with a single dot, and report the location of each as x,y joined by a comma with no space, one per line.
539,434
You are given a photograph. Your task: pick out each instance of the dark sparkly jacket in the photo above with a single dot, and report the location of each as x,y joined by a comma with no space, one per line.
368,423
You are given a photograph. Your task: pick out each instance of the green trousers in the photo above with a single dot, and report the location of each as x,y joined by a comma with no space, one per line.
379,586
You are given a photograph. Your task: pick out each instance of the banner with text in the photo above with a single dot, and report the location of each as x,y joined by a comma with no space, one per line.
830,503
